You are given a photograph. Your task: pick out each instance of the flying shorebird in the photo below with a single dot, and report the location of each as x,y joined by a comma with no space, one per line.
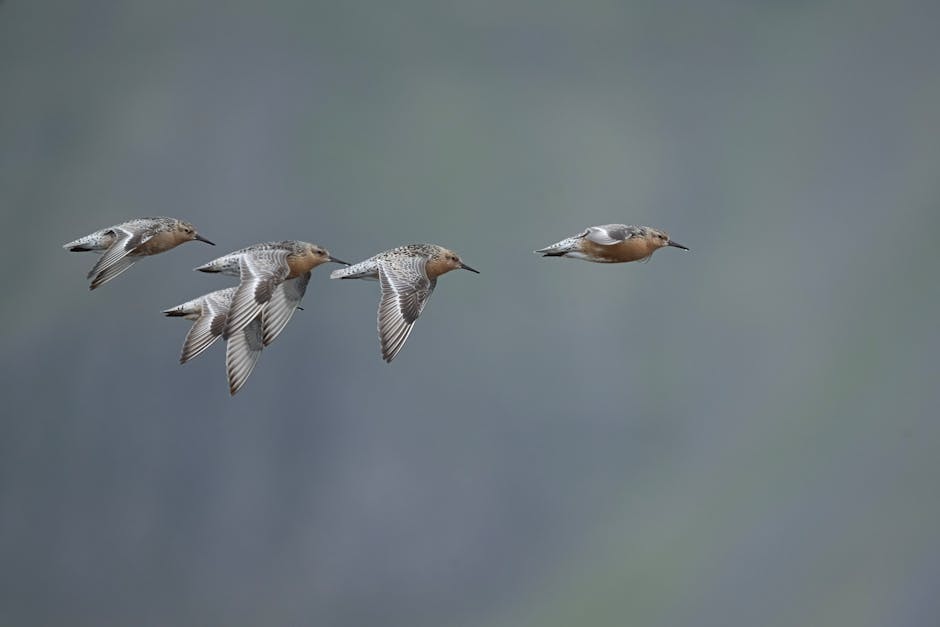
123,244
611,243
407,275
262,268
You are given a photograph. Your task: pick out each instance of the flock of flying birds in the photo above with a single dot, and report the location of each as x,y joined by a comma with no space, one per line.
273,278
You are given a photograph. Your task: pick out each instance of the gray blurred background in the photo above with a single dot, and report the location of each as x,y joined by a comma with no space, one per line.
746,434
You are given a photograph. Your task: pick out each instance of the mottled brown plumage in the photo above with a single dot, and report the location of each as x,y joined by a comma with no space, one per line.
123,244
261,269
407,275
209,314
611,243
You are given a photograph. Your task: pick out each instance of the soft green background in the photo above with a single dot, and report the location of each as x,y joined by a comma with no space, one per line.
746,434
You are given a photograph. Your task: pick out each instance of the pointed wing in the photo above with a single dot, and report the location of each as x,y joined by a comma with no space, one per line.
209,326
608,234
114,261
405,291
116,268
260,272
241,354
281,307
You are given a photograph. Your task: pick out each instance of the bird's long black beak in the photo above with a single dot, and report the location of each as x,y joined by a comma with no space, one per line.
335,260
202,239
466,267
676,245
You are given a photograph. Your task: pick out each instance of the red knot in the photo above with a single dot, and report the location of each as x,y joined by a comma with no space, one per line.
407,276
261,268
123,244
611,243
243,348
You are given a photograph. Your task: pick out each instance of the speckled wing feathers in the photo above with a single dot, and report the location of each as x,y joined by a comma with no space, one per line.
281,307
109,265
608,234
260,272
405,291
116,268
139,237
209,326
367,270
242,353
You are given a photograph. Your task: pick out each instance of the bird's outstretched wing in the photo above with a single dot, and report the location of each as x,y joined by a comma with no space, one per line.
260,272
209,326
241,354
609,234
115,259
405,291
284,302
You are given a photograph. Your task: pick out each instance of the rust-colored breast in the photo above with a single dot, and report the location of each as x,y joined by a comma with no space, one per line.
302,262
163,241
632,249
437,266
